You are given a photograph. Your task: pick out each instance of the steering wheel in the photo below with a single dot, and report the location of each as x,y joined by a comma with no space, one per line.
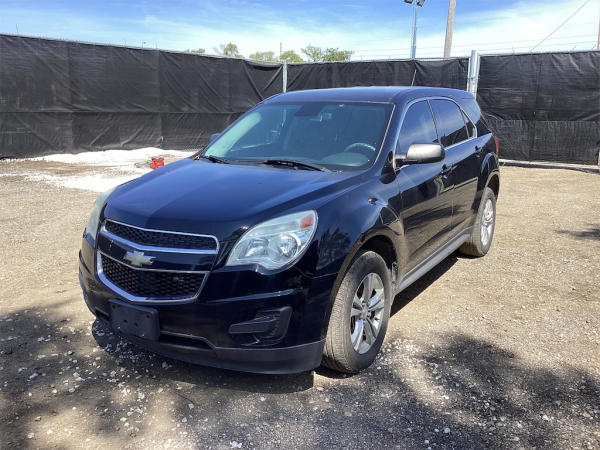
362,148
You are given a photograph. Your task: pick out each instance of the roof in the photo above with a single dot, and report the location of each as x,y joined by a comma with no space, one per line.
385,94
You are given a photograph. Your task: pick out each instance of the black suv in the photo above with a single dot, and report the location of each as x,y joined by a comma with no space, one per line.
282,244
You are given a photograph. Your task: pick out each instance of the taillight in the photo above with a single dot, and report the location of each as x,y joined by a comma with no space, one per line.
497,141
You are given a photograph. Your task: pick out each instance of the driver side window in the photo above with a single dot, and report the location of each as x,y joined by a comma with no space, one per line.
418,127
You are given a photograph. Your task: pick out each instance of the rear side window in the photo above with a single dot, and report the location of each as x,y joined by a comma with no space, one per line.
418,127
472,109
450,122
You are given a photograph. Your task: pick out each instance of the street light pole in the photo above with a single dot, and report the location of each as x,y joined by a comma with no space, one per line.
413,39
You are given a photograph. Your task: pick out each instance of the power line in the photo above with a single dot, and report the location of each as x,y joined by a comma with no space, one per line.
557,28
428,30
393,53
470,46
529,40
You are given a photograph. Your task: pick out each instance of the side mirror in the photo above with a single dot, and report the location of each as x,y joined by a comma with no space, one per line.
214,137
421,154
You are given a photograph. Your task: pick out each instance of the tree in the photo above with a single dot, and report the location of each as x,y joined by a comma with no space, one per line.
230,50
267,56
291,56
335,55
314,54
317,54
198,51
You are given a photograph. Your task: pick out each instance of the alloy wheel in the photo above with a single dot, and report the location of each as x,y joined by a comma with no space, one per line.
367,312
487,222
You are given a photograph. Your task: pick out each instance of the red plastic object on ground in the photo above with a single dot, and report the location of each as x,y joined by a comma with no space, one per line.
157,162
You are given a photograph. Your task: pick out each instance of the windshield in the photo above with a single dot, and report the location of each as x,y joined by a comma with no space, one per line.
334,135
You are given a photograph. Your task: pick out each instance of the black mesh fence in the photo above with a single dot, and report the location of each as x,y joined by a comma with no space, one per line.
59,96
543,107
451,73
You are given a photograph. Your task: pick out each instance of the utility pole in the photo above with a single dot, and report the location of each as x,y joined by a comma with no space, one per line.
598,47
413,39
449,28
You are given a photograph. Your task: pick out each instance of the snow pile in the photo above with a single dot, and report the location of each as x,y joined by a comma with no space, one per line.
126,159
101,170
95,183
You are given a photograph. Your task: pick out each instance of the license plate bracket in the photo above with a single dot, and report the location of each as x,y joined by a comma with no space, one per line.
135,320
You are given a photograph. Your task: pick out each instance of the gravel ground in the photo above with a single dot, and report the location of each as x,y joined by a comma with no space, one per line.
502,351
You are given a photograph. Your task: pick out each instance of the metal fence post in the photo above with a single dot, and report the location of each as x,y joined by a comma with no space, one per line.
473,73
285,67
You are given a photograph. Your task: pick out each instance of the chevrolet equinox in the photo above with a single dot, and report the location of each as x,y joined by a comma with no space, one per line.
282,244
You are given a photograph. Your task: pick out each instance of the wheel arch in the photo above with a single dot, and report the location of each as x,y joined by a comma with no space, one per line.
380,241
494,183
489,176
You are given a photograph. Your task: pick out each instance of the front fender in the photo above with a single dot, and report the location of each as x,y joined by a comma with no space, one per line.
349,227
351,223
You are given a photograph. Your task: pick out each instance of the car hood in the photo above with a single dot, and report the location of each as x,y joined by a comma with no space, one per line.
220,199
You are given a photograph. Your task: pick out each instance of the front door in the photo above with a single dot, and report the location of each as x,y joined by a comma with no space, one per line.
425,188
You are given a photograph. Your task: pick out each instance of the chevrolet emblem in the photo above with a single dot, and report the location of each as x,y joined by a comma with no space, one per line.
138,259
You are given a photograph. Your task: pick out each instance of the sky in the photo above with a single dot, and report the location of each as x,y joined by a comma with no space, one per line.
377,29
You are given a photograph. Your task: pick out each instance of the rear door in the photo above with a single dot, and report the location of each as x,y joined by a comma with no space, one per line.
457,134
426,197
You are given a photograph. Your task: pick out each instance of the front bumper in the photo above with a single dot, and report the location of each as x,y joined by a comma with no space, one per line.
286,360
200,331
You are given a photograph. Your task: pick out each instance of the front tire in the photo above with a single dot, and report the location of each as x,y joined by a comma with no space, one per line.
359,316
480,241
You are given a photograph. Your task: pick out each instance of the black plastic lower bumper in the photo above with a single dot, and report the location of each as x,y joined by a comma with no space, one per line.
299,358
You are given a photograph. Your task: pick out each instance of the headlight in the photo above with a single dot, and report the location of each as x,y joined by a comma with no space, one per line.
275,243
93,221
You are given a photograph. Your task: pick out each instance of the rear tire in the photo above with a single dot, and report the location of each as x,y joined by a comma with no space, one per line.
359,316
480,241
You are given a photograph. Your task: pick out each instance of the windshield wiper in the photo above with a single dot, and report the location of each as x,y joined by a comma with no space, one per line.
294,164
211,158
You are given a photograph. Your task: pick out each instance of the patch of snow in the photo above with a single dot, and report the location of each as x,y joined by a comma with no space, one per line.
95,183
115,167
112,158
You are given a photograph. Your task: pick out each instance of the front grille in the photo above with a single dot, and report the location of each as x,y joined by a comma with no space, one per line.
161,238
151,284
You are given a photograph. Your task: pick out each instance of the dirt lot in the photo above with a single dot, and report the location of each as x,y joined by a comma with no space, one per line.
502,351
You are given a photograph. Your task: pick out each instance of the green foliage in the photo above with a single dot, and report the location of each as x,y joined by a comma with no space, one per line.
267,56
314,54
335,55
317,54
229,50
291,56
